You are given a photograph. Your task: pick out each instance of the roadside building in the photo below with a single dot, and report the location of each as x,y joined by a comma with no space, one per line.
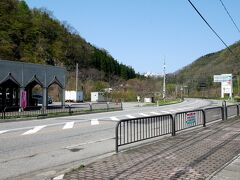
17,80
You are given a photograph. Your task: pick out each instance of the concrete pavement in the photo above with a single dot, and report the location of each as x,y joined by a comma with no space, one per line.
194,154
231,171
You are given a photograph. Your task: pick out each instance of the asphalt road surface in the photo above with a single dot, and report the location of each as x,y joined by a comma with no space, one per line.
41,149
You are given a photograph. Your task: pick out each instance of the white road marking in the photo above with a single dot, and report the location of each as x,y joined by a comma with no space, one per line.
172,110
59,177
94,122
130,116
156,113
4,131
34,130
142,114
167,112
114,118
89,142
68,125
181,109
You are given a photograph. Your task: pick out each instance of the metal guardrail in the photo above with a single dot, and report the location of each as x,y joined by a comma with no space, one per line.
188,119
214,113
133,130
232,111
37,111
129,131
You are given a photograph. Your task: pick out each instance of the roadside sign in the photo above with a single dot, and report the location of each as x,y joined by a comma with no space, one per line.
191,118
226,84
227,87
222,78
138,98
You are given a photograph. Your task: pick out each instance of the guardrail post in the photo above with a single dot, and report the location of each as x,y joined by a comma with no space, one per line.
69,109
90,105
224,104
4,112
204,118
222,110
237,109
173,125
116,139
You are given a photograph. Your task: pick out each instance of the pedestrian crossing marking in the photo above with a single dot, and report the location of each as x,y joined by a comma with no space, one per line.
130,116
114,118
34,130
142,114
155,113
167,112
68,125
4,131
94,122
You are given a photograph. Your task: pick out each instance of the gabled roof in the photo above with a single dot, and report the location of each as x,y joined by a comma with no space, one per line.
11,78
55,81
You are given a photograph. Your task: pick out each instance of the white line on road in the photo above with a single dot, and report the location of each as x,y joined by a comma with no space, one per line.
181,109
59,177
167,112
155,113
34,130
68,125
172,110
94,122
4,131
89,142
130,116
114,118
142,114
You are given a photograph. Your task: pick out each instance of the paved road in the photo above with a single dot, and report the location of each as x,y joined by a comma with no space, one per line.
39,149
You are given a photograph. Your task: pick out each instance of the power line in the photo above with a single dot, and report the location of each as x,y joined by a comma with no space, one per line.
211,27
230,16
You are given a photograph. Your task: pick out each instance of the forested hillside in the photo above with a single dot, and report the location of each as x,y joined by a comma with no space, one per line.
34,35
201,71
215,63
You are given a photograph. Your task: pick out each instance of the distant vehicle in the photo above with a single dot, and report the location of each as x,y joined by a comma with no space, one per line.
39,99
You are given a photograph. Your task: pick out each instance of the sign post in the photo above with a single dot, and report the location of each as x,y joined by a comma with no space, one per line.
138,99
226,84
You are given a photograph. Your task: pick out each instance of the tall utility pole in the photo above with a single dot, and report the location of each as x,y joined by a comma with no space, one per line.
164,80
76,77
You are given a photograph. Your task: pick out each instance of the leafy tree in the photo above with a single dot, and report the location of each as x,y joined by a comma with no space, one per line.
34,35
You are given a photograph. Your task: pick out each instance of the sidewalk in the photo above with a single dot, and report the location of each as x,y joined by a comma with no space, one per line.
230,172
194,154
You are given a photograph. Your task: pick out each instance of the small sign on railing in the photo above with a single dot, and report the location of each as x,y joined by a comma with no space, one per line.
191,118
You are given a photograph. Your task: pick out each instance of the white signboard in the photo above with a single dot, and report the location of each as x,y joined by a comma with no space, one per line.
222,78
226,83
227,87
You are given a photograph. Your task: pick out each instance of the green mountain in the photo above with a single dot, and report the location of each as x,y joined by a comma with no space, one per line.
198,76
221,62
34,35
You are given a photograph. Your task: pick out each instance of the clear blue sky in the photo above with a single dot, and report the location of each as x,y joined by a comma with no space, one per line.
140,33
